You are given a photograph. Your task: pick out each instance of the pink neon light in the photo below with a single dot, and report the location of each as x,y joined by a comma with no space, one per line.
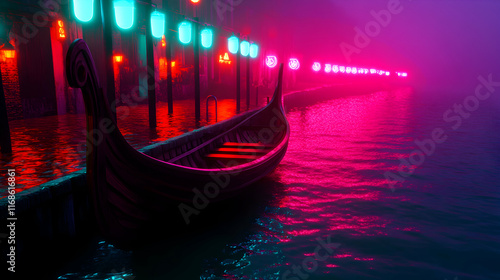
354,70
328,68
271,61
294,64
387,73
342,69
316,66
373,71
335,69
404,74
366,71
348,70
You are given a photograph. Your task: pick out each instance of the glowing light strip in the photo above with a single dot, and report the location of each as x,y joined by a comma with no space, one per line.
354,70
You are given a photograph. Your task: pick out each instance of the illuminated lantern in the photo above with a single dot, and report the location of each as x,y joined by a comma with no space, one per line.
354,70
118,58
335,69
84,9
342,69
254,50
233,44
316,66
348,70
328,68
245,48
173,63
373,71
157,24
185,32
294,64
271,61
206,38
124,13
60,27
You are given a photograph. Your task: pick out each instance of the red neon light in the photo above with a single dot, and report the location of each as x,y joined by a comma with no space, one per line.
271,61
118,58
316,66
294,64
195,1
225,59
62,33
328,68
163,41
9,53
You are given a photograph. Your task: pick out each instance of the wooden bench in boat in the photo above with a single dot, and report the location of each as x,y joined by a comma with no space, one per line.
244,151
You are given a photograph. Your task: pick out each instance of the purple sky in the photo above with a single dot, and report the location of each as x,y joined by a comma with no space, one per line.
444,44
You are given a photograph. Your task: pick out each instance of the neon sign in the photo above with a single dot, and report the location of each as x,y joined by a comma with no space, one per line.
271,61
316,66
328,68
225,59
60,27
294,64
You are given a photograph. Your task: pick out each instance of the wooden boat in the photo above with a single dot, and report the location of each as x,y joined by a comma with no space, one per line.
182,176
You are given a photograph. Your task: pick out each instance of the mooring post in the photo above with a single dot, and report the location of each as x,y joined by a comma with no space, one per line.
169,41
196,49
151,71
107,33
215,100
238,80
248,82
5,141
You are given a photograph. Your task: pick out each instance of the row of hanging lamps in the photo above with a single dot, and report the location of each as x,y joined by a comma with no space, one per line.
244,47
124,15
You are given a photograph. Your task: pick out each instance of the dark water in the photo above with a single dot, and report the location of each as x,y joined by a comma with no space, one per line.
441,222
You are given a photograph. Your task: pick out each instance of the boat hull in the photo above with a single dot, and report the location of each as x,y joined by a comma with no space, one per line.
131,190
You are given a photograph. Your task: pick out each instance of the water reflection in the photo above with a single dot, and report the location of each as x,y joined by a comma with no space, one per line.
50,147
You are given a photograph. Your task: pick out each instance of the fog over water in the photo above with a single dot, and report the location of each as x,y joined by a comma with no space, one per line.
444,45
